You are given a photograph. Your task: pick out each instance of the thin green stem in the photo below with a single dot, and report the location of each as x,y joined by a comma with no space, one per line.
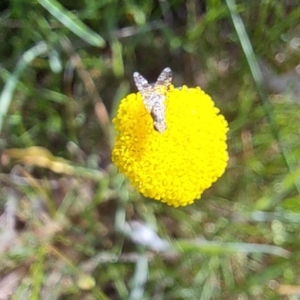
257,77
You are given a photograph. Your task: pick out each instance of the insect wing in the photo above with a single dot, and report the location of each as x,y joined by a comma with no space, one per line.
145,89
163,81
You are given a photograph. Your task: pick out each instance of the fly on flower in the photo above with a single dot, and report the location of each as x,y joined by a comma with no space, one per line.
154,96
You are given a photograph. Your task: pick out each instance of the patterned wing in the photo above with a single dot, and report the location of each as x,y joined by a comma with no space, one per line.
145,89
160,90
163,81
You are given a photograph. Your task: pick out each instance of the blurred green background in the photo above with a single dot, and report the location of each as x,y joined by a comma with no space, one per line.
71,227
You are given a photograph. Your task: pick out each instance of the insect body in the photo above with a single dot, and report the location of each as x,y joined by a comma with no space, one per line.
154,96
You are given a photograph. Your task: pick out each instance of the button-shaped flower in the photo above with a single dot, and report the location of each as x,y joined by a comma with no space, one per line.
174,166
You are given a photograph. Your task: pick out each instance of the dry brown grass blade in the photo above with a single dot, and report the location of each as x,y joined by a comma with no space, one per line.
90,87
8,222
9,283
41,157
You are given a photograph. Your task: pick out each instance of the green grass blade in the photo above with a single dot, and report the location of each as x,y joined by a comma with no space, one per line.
218,248
257,77
10,85
72,22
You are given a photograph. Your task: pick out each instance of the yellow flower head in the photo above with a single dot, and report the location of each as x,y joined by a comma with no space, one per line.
174,166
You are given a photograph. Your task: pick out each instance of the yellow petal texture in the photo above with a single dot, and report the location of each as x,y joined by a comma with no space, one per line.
175,166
